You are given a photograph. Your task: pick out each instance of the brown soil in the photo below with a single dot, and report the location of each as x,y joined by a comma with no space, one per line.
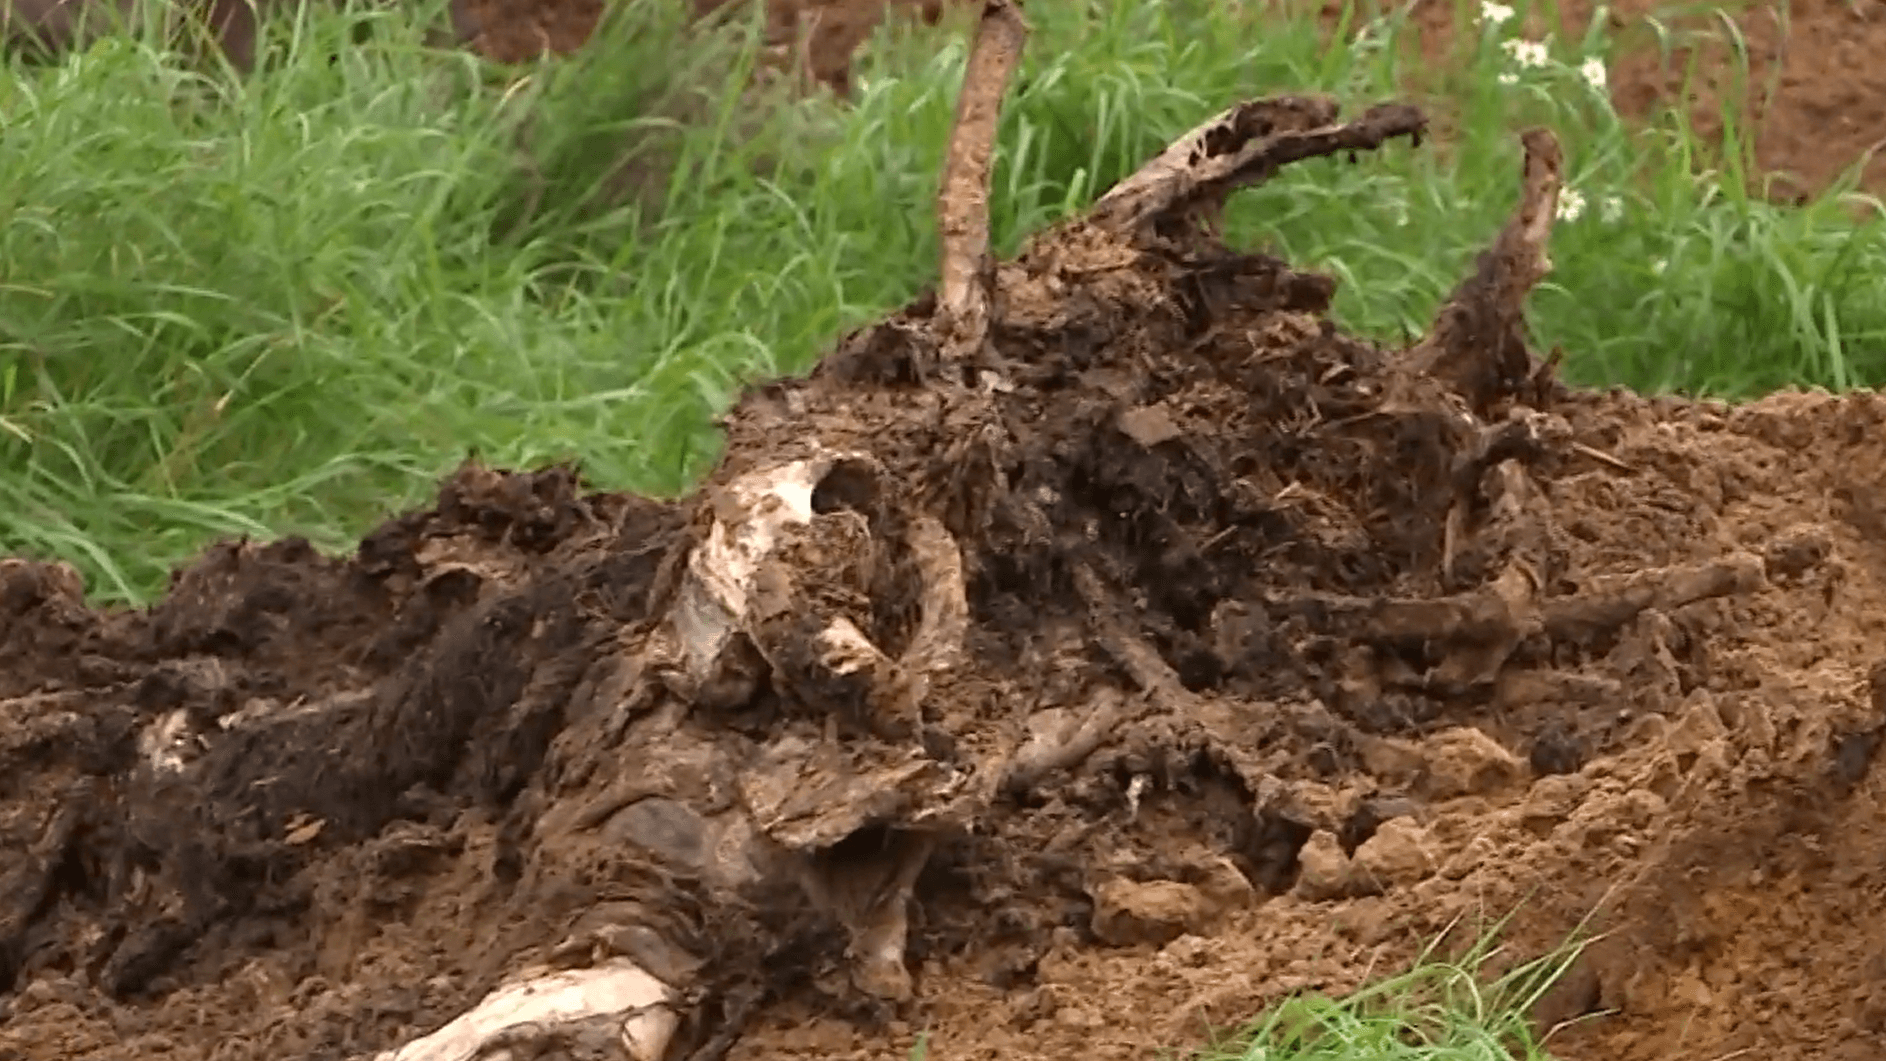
819,36
1096,650
1815,91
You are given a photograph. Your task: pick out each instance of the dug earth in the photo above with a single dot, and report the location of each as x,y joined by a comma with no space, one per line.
1063,685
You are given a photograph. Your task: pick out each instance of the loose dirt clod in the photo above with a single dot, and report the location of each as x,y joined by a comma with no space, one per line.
1097,650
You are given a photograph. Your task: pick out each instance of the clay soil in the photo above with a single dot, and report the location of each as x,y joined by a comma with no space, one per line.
818,37
1815,93
1100,648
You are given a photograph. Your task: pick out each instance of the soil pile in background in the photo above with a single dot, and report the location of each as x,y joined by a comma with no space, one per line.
1098,649
815,37
1814,92
1813,89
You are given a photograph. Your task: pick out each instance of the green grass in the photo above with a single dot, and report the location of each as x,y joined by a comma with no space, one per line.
288,306
1441,1009
1461,1008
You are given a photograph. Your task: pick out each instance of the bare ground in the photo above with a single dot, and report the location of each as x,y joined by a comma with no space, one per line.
815,37
1814,95
1096,650
1811,92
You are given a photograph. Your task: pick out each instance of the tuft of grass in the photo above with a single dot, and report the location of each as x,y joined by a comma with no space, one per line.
1438,1010
287,304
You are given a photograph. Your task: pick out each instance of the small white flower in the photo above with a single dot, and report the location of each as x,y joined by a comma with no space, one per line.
1507,77
1657,267
1592,70
1495,14
1571,204
1611,209
1526,53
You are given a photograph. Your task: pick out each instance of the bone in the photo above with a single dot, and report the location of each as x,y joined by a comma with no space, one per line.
617,995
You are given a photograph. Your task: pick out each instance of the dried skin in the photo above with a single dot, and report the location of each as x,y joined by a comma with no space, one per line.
1244,146
963,201
1477,345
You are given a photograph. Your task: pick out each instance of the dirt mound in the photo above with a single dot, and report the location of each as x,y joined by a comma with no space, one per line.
815,37
1813,94
1105,645
1802,76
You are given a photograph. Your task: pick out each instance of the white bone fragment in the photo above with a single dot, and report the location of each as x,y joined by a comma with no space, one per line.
615,989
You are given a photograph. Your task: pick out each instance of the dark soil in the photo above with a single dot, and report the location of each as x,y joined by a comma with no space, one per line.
1167,653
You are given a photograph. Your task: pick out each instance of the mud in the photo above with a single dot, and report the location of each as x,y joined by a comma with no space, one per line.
1098,649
